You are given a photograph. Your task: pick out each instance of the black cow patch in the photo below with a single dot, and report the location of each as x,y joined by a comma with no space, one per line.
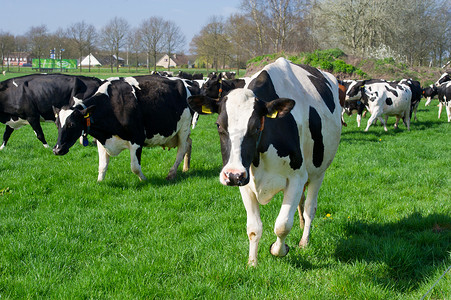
315,129
283,134
322,85
389,101
263,87
394,92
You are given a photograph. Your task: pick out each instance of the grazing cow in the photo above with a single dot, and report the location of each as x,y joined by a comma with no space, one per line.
279,133
198,76
29,99
131,113
185,75
216,86
444,96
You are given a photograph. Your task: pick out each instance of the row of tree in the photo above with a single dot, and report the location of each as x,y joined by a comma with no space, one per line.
411,31
153,37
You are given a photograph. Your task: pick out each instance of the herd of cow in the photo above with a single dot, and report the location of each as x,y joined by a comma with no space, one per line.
279,130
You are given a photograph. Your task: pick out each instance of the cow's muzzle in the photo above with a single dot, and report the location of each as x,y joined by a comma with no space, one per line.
234,178
57,150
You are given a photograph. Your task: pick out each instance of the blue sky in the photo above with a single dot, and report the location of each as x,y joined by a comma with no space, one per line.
190,15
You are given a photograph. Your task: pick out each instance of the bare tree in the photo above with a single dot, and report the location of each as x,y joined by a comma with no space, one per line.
135,45
6,46
212,43
152,36
83,36
174,39
114,37
255,10
21,45
242,42
38,39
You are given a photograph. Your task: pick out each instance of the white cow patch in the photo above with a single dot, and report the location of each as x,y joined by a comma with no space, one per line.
15,84
64,114
103,89
239,107
77,101
132,81
115,145
17,124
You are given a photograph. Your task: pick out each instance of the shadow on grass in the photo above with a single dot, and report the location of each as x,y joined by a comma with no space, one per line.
158,181
410,249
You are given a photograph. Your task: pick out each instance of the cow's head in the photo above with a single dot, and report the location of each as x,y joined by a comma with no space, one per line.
212,87
241,119
354,91
429,93
444,78
72,122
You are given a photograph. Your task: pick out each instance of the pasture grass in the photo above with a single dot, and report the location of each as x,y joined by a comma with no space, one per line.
382,229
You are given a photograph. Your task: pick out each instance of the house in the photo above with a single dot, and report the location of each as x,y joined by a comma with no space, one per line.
89,60
17,58
110,59
177,60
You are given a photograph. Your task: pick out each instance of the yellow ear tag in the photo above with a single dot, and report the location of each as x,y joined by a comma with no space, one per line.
56,116
206,110
273,115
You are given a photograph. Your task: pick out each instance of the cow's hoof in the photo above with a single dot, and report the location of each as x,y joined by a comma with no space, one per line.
303,244
287,249
170,177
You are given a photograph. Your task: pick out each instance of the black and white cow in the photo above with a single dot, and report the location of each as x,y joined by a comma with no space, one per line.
29,99
417,91
279,133
386,100
443,78
444,97
383,98
131,113
216,86
433,90
351,106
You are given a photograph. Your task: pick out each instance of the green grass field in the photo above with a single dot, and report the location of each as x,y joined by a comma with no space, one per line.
382,229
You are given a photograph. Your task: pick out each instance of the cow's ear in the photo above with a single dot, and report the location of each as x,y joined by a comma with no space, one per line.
203,104
87,111
279,108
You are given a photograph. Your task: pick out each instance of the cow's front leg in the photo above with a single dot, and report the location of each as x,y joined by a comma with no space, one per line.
36,125
254,223
104,159
310,208
8,131
135,160
371,119
284,221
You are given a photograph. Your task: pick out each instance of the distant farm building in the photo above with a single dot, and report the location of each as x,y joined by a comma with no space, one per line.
89,60
17,59
176,60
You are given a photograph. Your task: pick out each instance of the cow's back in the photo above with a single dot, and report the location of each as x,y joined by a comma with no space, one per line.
317,111
164,100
